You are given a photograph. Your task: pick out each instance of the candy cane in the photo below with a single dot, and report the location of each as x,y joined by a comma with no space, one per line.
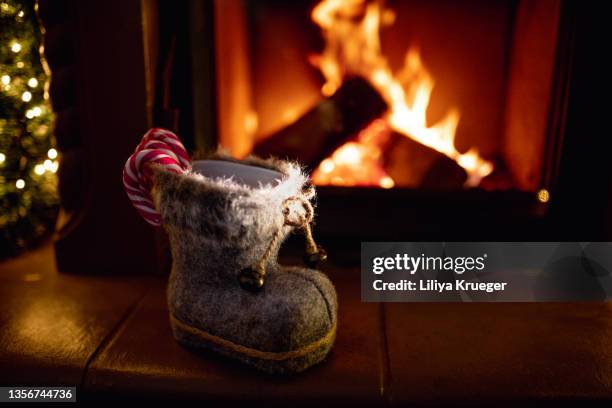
158,146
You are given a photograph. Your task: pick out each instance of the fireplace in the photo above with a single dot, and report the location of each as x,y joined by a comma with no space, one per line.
436,116
508,87
468,89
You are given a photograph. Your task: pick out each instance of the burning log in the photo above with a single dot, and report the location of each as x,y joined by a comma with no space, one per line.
444,174
327,125
429,169
357,162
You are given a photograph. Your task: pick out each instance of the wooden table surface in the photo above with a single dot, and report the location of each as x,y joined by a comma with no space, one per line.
111,337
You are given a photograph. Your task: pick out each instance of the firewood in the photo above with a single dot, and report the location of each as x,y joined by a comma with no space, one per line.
444,174
327,125
414,165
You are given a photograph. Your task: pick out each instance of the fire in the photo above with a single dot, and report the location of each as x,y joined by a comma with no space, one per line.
357,163
352,48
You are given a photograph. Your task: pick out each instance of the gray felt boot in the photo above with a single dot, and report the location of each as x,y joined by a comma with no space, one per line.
226,220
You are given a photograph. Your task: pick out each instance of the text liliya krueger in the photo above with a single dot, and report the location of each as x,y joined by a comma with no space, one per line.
413,264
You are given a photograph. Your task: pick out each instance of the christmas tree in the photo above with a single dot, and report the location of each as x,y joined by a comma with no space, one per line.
28,161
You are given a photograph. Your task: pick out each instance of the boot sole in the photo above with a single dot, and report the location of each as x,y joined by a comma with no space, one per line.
272,362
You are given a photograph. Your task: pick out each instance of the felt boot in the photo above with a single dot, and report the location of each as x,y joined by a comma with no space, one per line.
226,220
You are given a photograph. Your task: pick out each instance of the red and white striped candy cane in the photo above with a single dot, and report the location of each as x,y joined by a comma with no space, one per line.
158,146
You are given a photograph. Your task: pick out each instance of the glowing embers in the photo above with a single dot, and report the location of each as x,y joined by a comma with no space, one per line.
358,162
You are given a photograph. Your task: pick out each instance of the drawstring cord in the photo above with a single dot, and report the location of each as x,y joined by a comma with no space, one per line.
253,279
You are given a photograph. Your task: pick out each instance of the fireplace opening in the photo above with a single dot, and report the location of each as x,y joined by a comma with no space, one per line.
412,116
414,94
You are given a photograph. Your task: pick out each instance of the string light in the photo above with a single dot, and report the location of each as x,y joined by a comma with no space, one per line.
543,196
31,161
39,169
51,166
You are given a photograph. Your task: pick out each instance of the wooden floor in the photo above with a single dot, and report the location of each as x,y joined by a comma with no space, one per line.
111,338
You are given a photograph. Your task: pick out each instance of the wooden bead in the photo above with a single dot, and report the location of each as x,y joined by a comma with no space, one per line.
251,280
315,259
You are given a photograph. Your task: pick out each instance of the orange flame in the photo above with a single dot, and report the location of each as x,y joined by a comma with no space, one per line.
357,163
352,48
